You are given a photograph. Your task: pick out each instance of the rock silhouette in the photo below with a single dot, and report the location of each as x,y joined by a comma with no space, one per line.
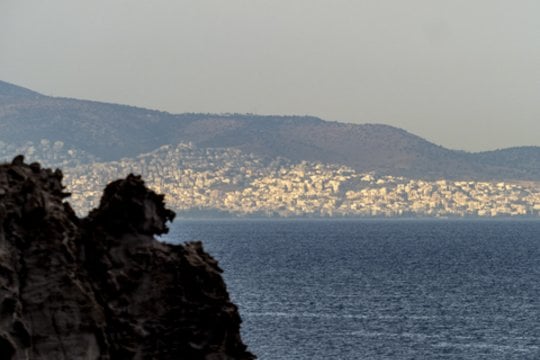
102,287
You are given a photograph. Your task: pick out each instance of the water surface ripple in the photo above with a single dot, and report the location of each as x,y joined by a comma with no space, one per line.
380,289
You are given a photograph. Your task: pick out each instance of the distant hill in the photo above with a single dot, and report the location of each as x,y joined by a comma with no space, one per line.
107,131
12,92
102,131
524,160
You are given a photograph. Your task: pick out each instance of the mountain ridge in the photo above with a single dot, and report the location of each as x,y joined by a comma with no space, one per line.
9,89
108,132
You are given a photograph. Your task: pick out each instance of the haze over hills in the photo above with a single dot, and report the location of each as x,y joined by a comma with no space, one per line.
85,131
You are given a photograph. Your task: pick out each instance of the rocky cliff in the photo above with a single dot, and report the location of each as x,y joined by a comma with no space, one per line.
102,287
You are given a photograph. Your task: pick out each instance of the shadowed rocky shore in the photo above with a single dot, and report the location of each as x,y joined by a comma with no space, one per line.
102,287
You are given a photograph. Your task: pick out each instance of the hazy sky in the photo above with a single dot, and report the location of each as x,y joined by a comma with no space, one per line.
461,73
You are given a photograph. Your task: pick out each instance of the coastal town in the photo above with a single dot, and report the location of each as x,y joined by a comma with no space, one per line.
228,182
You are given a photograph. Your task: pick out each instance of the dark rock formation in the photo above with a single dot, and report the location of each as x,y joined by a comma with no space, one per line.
103,287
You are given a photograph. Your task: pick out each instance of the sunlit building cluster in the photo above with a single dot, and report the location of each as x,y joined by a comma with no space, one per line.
227,181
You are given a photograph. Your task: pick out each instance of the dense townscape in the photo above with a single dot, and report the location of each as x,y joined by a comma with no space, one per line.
203,181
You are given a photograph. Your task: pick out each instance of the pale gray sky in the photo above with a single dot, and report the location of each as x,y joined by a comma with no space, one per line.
462,73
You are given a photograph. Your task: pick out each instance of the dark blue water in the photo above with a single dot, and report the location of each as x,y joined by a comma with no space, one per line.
380,289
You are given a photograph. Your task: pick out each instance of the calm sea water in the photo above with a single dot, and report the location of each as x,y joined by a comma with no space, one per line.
380,289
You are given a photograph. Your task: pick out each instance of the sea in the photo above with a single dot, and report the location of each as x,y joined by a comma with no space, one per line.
379,289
